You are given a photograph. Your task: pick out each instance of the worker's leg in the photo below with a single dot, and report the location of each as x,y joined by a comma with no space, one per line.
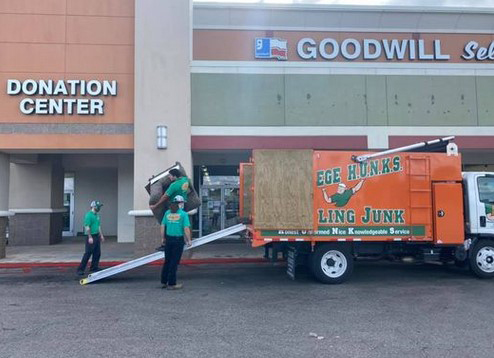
96,253
166,264
178,248
88,250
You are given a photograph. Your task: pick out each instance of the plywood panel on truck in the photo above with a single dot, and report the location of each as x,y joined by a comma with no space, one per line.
283,195
246,181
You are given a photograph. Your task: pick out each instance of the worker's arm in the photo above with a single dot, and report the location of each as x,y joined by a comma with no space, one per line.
88,220
358,186
102,238
163,198
88,232
187,229
187,235
326,196
162,231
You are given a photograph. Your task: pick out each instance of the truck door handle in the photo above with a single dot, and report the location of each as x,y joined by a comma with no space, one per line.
440,213
482,221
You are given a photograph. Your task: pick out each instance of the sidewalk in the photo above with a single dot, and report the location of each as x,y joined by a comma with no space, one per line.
69,253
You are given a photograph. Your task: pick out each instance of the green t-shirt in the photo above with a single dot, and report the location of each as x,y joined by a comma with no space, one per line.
178,187
343,198
175,222
93,221
488,209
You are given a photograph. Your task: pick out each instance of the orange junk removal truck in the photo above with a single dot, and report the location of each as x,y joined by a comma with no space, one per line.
327,208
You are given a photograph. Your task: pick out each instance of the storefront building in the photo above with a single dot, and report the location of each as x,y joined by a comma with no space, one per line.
97,96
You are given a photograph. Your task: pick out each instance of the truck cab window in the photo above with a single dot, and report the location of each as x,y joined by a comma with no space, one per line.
486,189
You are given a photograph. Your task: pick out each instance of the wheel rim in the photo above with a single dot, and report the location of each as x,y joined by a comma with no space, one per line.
485,259
334,264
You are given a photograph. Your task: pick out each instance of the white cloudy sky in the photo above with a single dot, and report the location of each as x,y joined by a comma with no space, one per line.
434,3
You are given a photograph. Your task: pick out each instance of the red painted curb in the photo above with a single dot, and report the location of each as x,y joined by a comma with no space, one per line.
24,265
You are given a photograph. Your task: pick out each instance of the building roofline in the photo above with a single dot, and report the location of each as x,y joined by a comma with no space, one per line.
348,8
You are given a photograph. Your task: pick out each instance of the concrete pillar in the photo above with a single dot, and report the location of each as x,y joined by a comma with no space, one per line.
163,38
125,198
4,200
36,196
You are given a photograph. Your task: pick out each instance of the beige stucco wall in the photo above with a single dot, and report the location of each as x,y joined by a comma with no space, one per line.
96,184
38,185
125,229
4,181
162,88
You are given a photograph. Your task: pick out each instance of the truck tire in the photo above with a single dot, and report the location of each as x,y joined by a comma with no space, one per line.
482,259
332,263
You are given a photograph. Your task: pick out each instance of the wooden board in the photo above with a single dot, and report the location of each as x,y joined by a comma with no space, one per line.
283,193
247,192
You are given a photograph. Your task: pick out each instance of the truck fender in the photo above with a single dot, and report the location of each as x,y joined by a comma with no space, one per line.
472,241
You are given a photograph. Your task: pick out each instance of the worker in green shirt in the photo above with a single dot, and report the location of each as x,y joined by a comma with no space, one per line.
175,232
342,195
92,227
489,211
179,186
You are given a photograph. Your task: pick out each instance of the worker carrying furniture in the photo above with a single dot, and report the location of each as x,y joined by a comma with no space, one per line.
179,186
175,231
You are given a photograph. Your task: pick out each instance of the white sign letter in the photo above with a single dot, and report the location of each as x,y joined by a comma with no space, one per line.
29,87
437,51
334,45
13,87
395,48
310,51
110,88
422,54
469,48
23,106
356,52
367,51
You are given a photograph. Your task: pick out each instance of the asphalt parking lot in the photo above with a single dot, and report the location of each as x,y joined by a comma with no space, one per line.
248,310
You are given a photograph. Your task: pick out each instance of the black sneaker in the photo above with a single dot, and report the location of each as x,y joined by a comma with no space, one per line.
95,270
80,273
161,248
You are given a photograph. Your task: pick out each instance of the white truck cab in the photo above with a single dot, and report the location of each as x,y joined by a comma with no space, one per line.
479,203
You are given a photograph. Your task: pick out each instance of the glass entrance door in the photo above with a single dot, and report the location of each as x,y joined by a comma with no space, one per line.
231,207
68,204
68,215
210,219
219,208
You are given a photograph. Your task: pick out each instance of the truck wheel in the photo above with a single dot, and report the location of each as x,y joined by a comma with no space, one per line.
332,263
482,259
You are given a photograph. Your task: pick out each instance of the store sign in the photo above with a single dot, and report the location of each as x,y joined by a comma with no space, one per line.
473,51
392,50
368,49
267,47
79,97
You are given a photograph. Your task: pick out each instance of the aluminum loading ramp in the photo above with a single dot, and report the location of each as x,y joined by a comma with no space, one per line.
159,255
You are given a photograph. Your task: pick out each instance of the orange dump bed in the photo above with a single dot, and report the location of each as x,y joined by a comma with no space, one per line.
398,197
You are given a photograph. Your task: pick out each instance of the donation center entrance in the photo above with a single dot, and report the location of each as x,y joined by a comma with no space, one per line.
220,198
